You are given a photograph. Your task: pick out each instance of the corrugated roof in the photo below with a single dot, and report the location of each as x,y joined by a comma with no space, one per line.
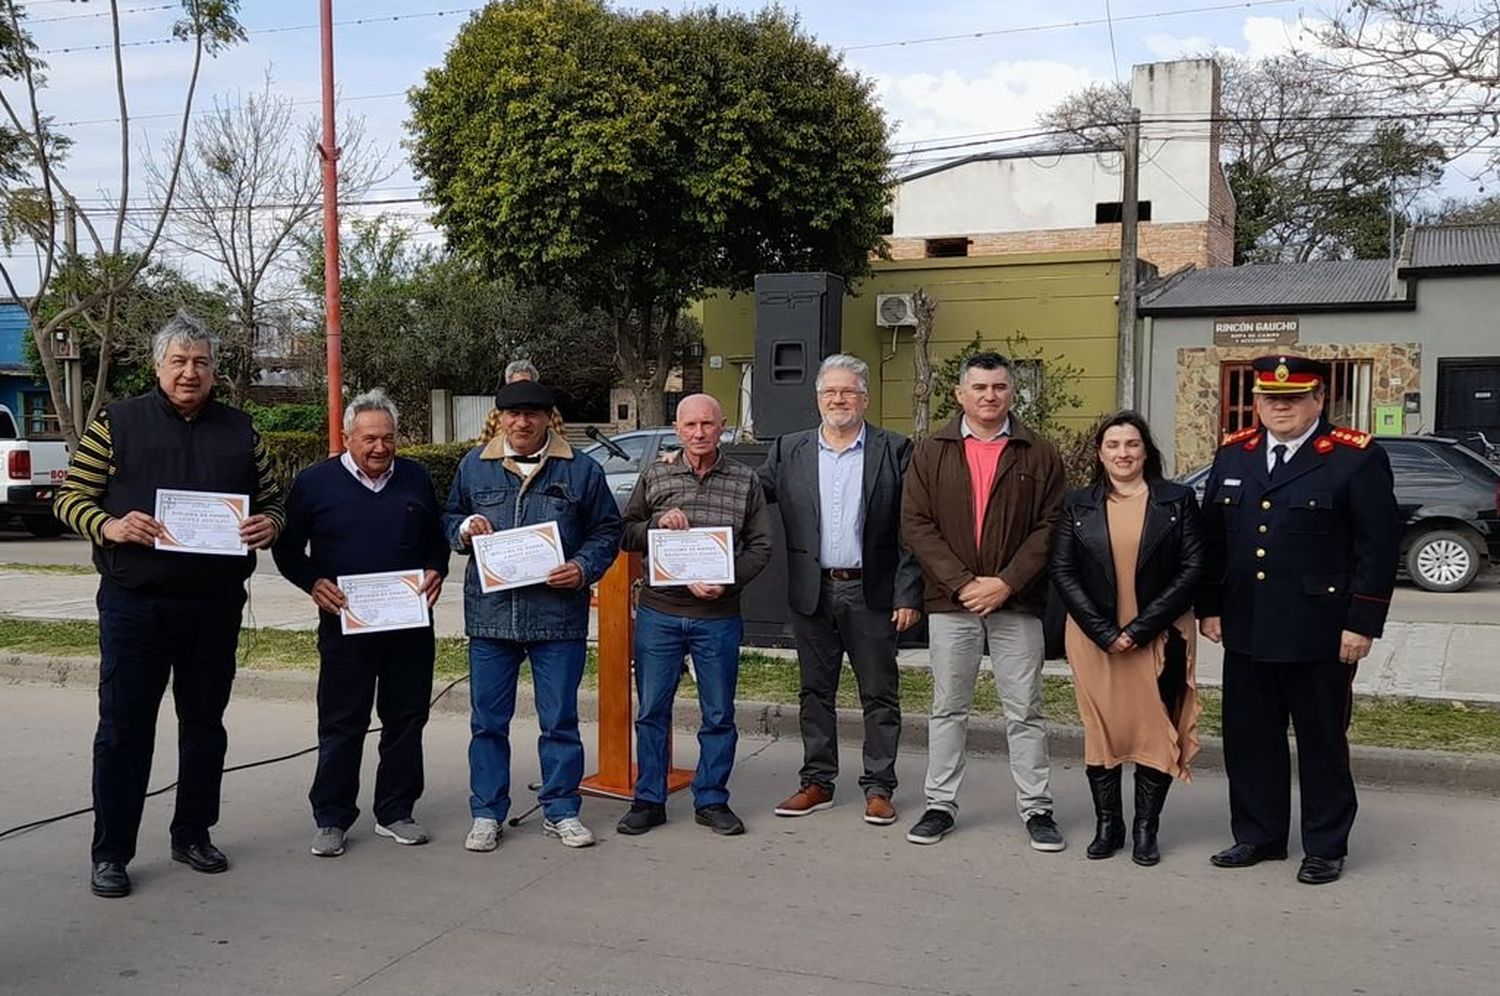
1276,285
1454,245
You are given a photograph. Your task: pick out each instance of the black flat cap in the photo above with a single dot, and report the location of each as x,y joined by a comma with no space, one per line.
524,394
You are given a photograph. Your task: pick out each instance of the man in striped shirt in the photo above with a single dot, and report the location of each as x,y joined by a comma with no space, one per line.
165,615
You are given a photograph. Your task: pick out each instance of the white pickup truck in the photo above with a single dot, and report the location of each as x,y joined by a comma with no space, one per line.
30,471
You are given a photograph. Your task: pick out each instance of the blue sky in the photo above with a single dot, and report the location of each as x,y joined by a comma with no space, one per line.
1010,61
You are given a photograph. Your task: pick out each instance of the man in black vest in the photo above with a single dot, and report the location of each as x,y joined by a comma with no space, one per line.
163,614
1302,530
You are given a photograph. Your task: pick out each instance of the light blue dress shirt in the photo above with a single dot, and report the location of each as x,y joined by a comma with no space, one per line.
841,505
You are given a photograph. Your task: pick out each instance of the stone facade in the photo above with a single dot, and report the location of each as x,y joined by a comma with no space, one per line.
1168,246
1395,368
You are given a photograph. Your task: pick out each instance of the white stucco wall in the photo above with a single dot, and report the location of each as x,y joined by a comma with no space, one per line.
1037,192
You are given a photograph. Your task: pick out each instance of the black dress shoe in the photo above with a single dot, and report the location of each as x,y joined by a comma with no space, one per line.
720,819
1245,855
109,880
202,857
1320,871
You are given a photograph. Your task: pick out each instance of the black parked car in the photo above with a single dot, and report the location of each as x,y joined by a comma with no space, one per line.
1450,499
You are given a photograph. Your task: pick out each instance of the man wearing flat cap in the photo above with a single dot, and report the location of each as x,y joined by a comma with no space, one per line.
1303,534
528,475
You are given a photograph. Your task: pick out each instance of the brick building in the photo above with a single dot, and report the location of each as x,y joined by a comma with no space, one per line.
1060,199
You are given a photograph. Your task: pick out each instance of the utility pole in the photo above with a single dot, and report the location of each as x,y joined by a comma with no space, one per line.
1390,236
1129,235
73,381
332,282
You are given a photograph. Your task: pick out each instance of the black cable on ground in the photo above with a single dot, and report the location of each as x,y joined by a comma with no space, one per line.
36,824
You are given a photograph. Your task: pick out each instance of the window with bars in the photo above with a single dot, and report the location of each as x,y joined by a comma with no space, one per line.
1347,404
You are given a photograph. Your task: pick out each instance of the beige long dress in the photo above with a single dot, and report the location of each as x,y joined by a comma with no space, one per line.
1124,718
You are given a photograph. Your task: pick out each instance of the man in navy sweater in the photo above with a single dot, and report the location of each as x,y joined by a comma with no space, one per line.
364,512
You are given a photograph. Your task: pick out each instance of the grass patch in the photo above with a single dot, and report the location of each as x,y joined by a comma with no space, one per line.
11,565
1379,722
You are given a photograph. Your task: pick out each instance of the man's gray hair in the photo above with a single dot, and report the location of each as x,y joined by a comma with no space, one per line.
373,400
184,330
522,367
843,361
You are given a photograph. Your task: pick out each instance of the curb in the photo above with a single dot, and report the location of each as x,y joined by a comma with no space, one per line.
1379,767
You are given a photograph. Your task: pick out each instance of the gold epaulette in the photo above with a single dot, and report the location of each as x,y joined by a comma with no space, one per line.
1351,437
1231,438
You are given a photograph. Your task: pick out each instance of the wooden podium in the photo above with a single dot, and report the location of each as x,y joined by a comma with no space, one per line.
616,776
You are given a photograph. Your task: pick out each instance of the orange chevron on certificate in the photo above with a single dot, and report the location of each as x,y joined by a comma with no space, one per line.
515,558
383,601
704,555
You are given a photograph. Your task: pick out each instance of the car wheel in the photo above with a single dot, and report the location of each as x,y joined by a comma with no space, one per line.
43,526
1443,560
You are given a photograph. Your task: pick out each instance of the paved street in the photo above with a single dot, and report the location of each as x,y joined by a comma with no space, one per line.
820,905
1436,646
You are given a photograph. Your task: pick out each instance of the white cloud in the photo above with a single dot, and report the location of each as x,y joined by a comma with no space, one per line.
1168,46
1006,97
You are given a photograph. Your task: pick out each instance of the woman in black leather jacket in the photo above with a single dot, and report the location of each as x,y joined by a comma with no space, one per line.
1126,557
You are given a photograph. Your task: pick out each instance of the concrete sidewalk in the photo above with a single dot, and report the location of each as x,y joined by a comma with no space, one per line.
822,905
1420,659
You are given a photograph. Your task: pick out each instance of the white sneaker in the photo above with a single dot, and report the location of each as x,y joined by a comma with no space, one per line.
484,835
568,830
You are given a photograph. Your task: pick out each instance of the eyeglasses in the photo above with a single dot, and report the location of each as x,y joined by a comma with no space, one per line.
841,392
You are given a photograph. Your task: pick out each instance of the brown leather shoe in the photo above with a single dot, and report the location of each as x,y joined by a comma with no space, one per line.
879,811
807,799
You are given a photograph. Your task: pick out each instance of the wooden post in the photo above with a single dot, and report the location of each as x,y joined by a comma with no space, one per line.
616,776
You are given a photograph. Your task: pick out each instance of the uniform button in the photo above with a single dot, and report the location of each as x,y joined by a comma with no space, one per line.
1264,529
1260,552
1260,575
1266,503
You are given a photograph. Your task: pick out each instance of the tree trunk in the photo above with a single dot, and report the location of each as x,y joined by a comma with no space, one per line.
921,392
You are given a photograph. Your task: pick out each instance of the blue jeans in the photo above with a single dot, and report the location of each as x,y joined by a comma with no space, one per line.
661,641
556,670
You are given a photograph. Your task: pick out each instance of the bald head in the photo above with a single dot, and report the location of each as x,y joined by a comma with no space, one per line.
699,423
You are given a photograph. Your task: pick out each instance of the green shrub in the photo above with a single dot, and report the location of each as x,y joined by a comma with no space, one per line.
441,461
288,418
292,451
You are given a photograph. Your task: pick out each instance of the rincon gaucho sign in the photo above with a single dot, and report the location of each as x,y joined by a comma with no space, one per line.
1256,330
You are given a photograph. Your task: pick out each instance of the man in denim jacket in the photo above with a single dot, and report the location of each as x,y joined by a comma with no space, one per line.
528,475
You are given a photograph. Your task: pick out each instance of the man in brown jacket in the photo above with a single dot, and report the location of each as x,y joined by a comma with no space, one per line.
980,501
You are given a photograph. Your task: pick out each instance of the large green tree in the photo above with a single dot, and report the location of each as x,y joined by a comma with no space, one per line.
638,160
1315,174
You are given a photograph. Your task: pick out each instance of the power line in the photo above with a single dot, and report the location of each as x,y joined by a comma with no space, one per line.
1114,58
101,13
1060,25
283,29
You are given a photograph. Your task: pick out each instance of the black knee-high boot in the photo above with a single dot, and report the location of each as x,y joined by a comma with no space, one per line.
1150,795
1109,811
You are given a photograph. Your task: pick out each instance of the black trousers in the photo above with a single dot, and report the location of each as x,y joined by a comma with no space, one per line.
145,639
842,623
1259,697
392,671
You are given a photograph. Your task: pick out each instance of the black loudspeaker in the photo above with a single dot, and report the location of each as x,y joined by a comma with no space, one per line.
798,321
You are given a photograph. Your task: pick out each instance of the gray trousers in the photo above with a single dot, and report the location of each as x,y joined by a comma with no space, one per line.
958,641
842,623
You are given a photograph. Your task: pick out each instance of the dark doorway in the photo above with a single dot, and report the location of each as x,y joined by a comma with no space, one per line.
1468,401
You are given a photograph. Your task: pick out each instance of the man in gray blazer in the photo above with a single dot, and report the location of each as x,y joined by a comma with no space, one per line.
851,585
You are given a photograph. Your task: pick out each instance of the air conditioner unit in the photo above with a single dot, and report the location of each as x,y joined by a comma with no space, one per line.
895,310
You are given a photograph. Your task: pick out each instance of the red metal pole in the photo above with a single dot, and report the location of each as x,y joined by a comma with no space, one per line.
332,284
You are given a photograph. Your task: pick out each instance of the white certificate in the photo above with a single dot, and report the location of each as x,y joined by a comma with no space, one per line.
691,556
201,522
384,601
515,558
